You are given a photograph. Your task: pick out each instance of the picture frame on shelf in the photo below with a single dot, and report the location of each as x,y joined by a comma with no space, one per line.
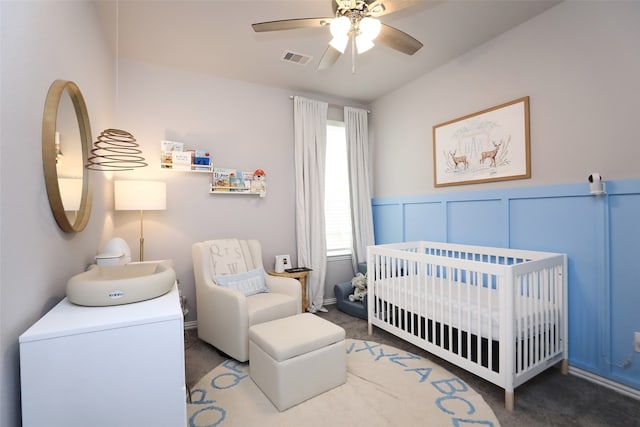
182,160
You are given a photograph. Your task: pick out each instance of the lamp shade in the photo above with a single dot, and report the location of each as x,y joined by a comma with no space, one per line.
370,27
340,26
363,44
140,195
70,192
339,43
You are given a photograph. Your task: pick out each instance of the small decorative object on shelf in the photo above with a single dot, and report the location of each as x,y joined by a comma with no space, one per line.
259,183
235,181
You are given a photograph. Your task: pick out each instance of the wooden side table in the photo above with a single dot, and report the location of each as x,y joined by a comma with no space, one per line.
301,276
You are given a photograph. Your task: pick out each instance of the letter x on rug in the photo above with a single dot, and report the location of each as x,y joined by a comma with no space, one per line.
385,387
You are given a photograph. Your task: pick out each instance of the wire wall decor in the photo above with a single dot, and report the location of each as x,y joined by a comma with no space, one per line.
115,150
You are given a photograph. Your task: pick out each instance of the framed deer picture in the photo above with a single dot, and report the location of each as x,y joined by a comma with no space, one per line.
490,145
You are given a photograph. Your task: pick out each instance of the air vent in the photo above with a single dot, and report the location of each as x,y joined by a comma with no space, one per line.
296,58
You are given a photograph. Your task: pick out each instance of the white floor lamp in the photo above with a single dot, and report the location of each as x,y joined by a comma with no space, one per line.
142,196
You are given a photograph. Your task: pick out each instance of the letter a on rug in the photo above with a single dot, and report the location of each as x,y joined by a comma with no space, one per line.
385,387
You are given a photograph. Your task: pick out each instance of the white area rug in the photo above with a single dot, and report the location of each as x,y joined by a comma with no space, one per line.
385,387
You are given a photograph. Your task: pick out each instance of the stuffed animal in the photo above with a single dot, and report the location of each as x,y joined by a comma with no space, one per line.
359,284
259,183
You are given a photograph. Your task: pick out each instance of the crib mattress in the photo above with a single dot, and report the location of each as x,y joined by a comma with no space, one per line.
475,309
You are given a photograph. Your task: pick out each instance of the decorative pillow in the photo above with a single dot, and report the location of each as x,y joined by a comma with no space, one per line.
250,283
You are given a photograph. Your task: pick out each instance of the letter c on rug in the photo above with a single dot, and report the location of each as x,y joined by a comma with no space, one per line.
440,400
454,385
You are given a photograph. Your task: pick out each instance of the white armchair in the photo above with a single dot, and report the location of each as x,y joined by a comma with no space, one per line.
225,314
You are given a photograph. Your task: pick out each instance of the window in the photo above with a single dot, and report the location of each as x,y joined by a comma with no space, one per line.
337,208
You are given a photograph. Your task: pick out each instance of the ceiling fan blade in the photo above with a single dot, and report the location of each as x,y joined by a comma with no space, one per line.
290,24
398,40
343,5
385,7
329,58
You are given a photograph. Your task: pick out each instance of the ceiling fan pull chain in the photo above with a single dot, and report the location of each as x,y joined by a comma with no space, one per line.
354,28
353,53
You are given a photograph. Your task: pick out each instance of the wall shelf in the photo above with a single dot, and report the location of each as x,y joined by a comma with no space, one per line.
194,168
219,175
232,191
236,181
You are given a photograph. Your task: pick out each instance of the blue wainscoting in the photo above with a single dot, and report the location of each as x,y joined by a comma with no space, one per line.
600,235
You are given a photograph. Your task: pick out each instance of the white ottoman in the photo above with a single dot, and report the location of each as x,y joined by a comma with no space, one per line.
296,358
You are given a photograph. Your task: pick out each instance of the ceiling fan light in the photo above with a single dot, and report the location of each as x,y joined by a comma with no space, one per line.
340,26
339,43
370,27
363,43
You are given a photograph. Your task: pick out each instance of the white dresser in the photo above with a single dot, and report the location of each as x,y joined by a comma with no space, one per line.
116,366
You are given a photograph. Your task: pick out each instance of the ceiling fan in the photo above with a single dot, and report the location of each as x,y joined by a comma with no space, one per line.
354,20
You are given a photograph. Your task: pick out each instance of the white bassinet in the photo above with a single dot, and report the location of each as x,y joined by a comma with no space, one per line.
498,313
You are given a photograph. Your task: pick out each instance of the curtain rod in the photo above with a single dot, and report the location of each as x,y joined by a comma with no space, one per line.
334,105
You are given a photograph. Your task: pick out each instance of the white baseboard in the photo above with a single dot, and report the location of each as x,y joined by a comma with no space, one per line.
612,385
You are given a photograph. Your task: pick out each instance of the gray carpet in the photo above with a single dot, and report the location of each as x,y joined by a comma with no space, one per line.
550,399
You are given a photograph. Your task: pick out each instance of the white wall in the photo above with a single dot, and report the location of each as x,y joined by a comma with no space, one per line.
41,42
578,62
243,126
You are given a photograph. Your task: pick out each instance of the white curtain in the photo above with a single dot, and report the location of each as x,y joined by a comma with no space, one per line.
357,134
310,125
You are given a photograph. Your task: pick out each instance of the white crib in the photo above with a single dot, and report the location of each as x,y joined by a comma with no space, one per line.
498,313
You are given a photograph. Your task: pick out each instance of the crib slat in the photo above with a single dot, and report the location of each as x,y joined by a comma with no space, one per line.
478,345
529,320
545,313
519,324
468,288
535,319
489,327
458,314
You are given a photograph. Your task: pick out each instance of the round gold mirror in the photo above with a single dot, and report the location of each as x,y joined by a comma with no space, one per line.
66,143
